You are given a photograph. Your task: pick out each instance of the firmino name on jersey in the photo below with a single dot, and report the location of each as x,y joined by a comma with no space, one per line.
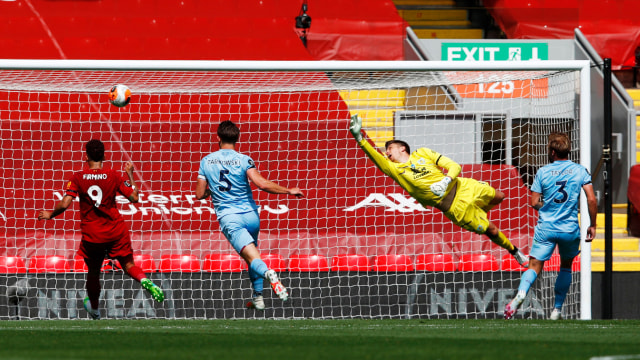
94,176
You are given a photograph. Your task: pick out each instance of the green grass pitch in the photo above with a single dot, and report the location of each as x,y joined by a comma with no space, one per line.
319,339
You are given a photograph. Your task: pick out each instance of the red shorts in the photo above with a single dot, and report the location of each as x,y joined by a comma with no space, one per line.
112,250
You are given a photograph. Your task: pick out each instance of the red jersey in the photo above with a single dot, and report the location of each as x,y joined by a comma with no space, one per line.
97,189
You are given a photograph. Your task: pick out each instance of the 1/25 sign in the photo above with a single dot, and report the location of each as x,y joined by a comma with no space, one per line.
535,88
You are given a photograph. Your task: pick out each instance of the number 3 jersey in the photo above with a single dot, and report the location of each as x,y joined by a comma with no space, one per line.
226,174
97,189
560,183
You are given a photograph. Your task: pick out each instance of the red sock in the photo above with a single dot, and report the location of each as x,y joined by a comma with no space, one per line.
136,273
93,290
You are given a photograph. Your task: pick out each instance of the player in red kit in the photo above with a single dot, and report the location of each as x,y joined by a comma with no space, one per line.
104,233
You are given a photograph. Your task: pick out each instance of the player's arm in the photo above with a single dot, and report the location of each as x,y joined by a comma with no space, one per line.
536,200
453,170
135,195
592,205
59,209
202,188
269,186
355,127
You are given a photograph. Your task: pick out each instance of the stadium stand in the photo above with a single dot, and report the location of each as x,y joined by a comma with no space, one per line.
436,262
350,262
48,264
211,42
223,263
146,262
392,263
441,19
478,262
307,263
179,262
274,261
12,265
508,263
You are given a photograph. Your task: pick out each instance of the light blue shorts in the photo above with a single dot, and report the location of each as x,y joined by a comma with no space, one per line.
241,229
544,242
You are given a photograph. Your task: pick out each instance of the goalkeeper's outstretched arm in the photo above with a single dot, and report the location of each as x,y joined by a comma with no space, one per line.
355,127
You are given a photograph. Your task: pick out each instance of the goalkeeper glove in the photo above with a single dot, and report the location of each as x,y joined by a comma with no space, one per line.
439,188
355,126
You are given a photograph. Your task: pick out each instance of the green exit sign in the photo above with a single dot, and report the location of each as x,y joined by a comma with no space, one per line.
504,51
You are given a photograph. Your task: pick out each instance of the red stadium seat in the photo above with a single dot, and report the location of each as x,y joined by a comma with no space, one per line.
478,262
274,262
392,263
575,266
509,263
350,262
145,262
48,264
179,263
435,262
223,263
12,265
553,264
308,263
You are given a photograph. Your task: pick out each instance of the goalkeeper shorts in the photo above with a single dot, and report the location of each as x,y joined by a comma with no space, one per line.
467,208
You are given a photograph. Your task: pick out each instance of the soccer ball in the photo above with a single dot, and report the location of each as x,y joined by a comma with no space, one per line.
119,95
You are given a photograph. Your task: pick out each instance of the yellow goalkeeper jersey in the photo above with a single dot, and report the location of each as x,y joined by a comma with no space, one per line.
417,174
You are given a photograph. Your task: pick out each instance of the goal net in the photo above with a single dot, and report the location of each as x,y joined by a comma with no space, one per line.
357,245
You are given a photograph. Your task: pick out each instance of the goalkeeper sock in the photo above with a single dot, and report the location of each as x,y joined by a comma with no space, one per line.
502,241
562,286
527,279
257,268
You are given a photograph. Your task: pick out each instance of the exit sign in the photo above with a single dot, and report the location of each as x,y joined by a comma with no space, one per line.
504,51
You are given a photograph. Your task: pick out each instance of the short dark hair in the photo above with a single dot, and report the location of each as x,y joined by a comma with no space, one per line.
228,132
399,142
560,143
95,150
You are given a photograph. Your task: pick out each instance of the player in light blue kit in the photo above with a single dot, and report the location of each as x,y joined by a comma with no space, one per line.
555,193
224,175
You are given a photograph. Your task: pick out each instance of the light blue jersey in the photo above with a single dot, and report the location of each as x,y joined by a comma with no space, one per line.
226,174
560,184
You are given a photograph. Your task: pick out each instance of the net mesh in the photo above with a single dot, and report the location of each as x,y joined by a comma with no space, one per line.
356,246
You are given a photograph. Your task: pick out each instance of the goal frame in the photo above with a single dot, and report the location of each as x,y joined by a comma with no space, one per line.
583,66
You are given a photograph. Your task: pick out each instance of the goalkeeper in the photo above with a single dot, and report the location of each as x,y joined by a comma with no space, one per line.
464,201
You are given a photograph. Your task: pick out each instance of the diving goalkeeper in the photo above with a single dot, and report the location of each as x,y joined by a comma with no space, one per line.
464,201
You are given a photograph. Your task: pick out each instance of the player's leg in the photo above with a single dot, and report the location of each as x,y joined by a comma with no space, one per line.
260,269
93,255
242,230
568,247
122,251
500,239
136,273
497,199
541,251
468,212
527,279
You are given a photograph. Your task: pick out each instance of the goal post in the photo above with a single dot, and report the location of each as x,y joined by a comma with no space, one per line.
356,246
